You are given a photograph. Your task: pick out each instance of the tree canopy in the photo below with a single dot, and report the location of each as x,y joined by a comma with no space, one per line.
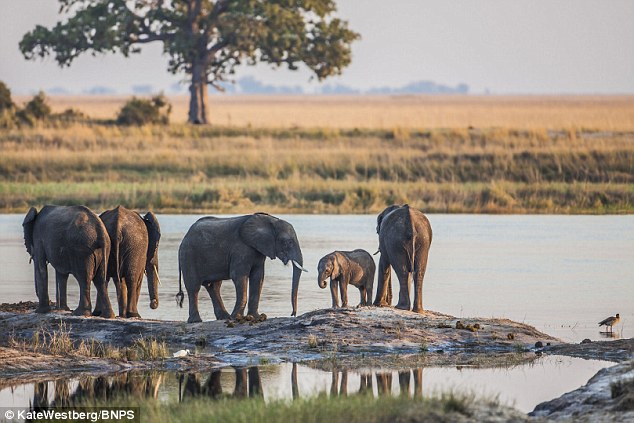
204,39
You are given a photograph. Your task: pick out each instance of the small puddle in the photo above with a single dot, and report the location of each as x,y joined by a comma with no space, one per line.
523,386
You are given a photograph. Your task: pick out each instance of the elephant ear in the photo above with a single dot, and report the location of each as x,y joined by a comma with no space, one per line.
154,234
384,213
27,224
336,265
258,233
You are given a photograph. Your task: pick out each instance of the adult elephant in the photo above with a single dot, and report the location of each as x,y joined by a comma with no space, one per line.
74,241
404,240
216,249
134,244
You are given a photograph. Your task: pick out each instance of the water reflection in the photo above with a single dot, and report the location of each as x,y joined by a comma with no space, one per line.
67,392
523,386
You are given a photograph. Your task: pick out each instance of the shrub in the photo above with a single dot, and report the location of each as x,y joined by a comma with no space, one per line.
138,111
38,107
5,98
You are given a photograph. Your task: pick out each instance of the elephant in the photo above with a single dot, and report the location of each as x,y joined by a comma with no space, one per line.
404,241
347,267
74,241
216,249
134,244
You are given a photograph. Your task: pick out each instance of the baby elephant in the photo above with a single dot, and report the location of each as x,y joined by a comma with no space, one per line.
347,267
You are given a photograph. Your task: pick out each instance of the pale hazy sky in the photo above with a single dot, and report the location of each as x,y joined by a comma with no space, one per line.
538,46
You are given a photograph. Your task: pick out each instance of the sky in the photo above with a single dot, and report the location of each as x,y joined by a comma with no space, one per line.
494,46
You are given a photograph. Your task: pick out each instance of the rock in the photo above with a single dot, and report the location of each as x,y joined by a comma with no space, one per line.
539,344
586,341
510,336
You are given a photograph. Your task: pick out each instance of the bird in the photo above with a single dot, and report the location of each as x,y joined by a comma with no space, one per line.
610,321
181,353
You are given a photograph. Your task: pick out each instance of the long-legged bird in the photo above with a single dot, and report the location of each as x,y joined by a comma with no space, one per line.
610,321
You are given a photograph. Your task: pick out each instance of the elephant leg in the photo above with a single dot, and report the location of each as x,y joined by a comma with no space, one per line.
61,282
41,286
362,296
102,292
334,293
134,283
192,296
343,288
404,281
122,297
369,286
241,296
419,275
84,306
384,287
256,281
213,288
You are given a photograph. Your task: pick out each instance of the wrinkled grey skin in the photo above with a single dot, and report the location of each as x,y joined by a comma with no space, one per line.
134,244
74,241
356,268
404,240
216,249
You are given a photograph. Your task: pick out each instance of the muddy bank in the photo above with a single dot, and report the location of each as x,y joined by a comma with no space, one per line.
367,332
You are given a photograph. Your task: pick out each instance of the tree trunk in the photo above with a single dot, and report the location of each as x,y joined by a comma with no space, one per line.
198,113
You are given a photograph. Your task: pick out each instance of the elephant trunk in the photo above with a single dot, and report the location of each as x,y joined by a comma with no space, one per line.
321,279
153,282
297,272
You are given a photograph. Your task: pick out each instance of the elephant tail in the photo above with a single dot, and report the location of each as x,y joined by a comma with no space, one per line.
180,297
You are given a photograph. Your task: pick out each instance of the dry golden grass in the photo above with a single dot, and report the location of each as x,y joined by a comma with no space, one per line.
609,113
214,169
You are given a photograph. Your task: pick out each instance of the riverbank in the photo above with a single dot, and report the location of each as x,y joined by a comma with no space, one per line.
227,169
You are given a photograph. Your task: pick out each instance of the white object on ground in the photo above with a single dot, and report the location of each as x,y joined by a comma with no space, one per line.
181,353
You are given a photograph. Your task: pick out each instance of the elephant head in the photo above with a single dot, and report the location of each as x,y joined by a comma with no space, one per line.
328,267
152,263
275,238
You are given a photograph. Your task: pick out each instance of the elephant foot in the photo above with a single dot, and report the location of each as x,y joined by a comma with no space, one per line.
108,314
81,312
96,313
43,309
133,314
402,307
63,308
381,304
418,310
194,319
255,316
223,315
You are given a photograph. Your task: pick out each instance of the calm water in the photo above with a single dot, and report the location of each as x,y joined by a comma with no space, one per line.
561,274
522,386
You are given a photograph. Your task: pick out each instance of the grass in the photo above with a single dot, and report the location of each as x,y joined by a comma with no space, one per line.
352,409
58,341
182,168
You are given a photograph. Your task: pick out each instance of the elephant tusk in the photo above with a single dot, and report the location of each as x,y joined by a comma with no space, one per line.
157,275
377,252
296,264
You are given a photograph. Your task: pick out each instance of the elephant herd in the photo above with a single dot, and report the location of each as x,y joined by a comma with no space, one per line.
122,245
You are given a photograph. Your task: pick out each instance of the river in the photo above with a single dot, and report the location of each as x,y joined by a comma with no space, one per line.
561,274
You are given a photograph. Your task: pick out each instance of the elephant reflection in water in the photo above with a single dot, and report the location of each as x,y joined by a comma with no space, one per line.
339,386
99,388
247,384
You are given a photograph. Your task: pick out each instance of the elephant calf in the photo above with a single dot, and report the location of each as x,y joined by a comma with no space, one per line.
347,267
